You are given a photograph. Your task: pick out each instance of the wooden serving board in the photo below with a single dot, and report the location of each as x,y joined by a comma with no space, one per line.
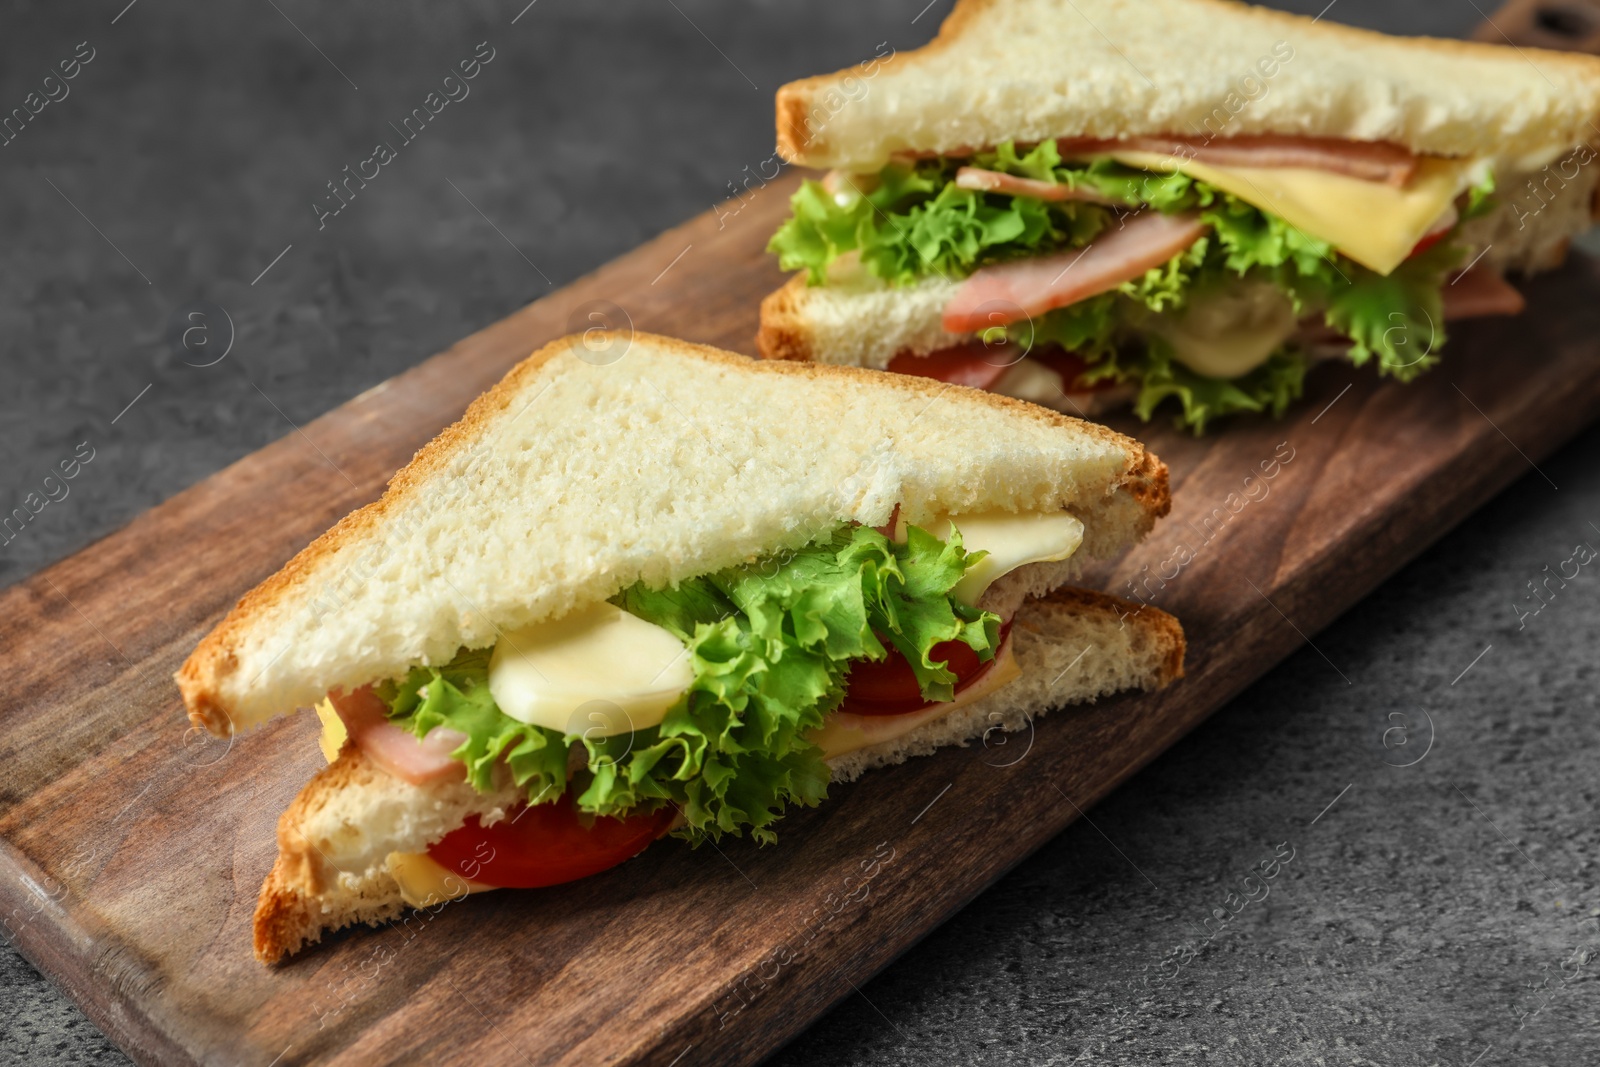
133,849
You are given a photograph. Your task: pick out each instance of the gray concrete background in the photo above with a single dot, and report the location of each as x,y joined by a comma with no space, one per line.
1434,915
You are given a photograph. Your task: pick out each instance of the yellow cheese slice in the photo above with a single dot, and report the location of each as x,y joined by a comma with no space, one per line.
424,882
843,732
598,672
1373,223
333,731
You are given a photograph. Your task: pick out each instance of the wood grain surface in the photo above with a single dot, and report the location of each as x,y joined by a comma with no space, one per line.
133,847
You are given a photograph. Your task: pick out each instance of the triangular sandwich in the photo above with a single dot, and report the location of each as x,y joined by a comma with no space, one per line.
1087,203
647,586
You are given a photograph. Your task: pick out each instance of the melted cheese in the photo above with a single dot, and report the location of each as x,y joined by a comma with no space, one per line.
1011,541
333,732
424,882
597,672
1373,223
1230,332
1030,380
843,732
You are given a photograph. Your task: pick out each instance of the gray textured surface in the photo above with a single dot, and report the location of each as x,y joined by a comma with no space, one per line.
1419,913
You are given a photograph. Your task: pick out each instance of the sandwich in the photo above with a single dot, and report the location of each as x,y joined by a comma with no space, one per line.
1097,203
676,592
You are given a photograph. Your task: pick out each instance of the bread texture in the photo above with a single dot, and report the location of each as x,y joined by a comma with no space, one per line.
1032,70
855,319
1072,646
608,459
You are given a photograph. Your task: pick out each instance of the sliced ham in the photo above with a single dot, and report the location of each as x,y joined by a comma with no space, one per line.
1375,161
974,364
1480,293
1003,293
398,751
992,181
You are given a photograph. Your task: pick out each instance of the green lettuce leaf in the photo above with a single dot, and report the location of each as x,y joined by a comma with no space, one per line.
910,221
1270,388
457,695
913,221
1480,198
1397,319
770,645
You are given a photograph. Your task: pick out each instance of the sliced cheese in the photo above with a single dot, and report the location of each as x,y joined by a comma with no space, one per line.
1030,380
1373,223
1231,331
598,672
424,882
844,732
1011,540
333,731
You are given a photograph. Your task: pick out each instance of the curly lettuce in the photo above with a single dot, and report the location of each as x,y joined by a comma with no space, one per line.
457,696
910,221
770,645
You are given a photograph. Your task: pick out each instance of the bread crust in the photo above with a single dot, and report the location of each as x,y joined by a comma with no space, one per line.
201,678
784,333
794,100
799,143
298,904
1159,625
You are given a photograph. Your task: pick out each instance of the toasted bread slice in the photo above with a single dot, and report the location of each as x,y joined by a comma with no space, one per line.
1072,647
588,469
1032,70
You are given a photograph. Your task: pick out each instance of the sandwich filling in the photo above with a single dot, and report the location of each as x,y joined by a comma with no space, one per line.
705,709
1208,272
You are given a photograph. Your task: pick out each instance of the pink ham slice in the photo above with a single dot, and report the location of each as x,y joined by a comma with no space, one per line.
1375,161
1010,292
398,751
992,181
973,364
1480,293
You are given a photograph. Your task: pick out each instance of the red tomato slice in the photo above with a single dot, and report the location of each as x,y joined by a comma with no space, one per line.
1069,365
1429,241
890,687
545,844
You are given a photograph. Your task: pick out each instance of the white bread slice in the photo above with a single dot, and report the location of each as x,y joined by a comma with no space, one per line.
1072,646
571,480
1032,70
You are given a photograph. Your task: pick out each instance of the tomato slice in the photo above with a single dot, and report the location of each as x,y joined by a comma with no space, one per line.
1070,366
1429,241
890,687
545,844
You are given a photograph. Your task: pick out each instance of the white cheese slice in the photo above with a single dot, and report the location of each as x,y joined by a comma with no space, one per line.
1030,380
597,672
1011,540
1374,223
